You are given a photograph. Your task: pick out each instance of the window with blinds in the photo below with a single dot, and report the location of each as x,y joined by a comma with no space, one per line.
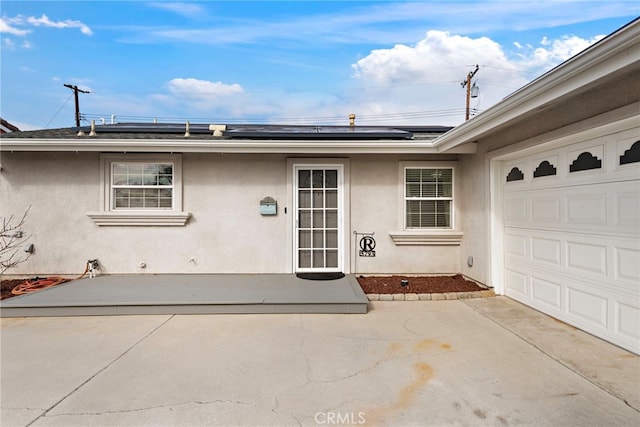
428,197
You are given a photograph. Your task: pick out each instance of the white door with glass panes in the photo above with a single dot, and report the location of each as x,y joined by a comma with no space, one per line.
318,225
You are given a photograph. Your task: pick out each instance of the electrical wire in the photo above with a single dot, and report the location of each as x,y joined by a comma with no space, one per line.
299,120
56,114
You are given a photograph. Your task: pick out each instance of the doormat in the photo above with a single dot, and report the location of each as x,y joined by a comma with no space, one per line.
320,276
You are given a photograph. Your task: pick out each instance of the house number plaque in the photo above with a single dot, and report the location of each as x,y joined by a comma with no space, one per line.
367,246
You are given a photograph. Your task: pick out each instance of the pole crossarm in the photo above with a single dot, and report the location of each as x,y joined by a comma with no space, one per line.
75,90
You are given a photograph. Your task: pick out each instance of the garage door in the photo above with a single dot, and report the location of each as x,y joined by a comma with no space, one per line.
571,234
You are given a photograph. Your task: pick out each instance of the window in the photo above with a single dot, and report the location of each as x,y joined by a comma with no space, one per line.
142,185
141,189
428,197
426,213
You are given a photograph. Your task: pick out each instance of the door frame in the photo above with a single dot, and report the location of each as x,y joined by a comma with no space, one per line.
344,217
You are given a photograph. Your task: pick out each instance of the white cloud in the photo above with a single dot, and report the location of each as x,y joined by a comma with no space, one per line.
202,89
6,27
431,58
181,8
69,23
405,84
11,25
553,52
424,80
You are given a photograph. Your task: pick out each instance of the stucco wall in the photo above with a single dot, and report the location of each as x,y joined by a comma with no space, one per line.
474,216
376,201
226,233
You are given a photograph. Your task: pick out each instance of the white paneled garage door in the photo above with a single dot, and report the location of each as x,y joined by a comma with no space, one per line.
571,234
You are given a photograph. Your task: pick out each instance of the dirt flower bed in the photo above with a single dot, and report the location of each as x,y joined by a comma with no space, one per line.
416,284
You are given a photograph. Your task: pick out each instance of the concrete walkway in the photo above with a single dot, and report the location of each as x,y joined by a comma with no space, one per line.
489,361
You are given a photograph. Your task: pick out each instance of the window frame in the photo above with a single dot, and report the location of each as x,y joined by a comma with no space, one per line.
407,198
113,187
110,215
427,235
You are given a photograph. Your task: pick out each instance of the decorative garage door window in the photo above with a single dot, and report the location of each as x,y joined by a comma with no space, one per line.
632,155
545,168
585,161
428,197
142,185
515,174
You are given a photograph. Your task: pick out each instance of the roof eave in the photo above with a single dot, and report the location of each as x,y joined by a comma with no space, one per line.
219,146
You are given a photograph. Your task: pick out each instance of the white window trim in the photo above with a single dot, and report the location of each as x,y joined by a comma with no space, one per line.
426,236
165,217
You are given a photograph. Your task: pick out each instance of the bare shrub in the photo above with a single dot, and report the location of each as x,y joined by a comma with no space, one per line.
12,241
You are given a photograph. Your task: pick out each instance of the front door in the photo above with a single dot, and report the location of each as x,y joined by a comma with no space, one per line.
318,224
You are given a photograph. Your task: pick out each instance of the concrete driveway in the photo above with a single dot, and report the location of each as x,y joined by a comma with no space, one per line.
488,361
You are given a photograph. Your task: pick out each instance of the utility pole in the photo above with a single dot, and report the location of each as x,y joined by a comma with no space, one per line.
467,83
75,90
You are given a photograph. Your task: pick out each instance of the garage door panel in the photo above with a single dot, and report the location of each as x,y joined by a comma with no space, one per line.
516,245
587,257
546,292
627,210
627,321
627,264
515,211
572,236
587,306
600,208
594,306
587,209
516,283
545,210
611,266
546,250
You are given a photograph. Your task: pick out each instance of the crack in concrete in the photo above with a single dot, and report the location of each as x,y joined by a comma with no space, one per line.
43,414
305,335
25,408
277,411
169,406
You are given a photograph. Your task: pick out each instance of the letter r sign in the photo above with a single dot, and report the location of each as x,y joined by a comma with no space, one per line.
367,246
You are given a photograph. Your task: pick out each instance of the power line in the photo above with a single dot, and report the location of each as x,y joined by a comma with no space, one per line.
406,115
58,112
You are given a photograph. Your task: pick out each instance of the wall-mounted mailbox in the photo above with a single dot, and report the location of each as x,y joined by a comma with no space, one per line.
268,206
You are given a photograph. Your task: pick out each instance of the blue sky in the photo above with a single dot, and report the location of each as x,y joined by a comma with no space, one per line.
298,62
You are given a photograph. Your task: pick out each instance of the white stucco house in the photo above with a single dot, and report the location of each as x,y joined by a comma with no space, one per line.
538,197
